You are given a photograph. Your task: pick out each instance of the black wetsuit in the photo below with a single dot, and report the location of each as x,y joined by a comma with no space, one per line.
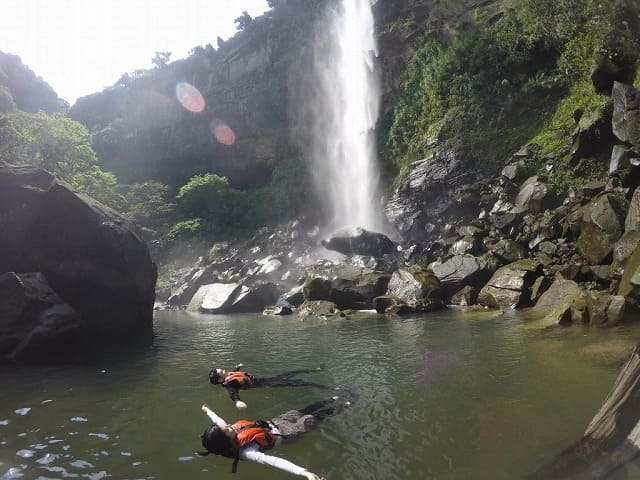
281,380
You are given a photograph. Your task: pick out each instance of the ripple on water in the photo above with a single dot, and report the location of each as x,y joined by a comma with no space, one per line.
81,464
47,459
79,419
23,411
13,472
25,453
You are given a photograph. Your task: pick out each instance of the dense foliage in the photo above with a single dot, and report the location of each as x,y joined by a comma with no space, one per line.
505,82
60,145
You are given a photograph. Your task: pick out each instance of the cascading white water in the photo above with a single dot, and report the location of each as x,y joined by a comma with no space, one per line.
345,112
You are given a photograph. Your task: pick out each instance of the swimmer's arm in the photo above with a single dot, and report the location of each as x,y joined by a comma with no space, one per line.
235,395
216,419
257,456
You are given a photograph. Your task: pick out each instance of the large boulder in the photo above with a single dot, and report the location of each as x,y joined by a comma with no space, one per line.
416,288
91,257
358,241
234,297
510,286
348,286
33,318
533,195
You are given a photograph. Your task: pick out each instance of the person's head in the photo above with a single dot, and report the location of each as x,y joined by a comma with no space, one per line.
216,375
215,441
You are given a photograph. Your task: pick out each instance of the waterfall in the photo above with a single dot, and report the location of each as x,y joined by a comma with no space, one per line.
344,112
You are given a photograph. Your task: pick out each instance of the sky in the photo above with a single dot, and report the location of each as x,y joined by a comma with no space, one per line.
81,46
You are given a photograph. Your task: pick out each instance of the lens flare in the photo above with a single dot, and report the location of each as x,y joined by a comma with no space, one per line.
223,133
190,97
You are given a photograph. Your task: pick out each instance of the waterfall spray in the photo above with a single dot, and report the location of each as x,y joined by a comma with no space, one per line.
345,111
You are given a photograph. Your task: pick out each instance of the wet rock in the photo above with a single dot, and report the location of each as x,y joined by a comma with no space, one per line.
358,241
465,245
616,310
277,310
465,297
626,113
510,285
320,310
347,286
34,321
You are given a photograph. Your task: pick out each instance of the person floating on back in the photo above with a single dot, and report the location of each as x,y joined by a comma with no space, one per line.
248,440
235,380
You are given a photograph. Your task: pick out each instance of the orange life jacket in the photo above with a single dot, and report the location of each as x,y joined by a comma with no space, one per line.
258,431
243,379
247,432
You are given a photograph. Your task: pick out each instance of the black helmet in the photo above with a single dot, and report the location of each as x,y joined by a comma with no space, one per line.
215,441
214,376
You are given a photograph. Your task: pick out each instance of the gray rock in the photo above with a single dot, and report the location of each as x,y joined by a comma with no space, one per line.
601,226
461,270
561,291
508,250
347,286
626,113
214,298
510,286
632,222
422,195
277,310
358,241
533,195
413,284
319,310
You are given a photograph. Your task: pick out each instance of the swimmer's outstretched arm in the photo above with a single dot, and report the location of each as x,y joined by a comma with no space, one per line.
253,454
216,420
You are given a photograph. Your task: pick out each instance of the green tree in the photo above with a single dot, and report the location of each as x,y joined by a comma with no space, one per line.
60,145
210,198
148,204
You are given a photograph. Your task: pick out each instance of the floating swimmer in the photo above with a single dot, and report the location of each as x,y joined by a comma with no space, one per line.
235,380
248,440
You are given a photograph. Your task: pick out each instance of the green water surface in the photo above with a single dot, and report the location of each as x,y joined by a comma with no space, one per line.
457,394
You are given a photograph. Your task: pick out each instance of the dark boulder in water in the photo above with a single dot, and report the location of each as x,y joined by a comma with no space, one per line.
358,241
90,256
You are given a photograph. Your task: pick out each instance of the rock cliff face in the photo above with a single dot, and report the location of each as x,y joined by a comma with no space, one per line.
79,273
251,83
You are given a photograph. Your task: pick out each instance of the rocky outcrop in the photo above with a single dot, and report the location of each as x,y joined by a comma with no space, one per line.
89,255
418,202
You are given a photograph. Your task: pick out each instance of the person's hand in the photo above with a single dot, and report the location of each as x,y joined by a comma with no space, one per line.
204,407
241,404
311,476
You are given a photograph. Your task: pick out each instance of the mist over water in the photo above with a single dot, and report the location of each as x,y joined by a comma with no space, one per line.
346,99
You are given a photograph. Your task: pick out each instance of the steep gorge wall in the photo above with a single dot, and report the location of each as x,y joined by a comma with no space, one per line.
251,83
